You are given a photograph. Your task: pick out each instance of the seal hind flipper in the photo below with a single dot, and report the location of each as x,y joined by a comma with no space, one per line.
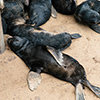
79,92
95,27
53,12
33,80
95,90
56,54
75,36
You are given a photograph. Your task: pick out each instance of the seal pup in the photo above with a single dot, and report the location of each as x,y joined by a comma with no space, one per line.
64,6
88,13
39,12
25,2
12,10
59,41
49,60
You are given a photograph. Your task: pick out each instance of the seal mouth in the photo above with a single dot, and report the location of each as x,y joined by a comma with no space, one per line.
10,40
17,43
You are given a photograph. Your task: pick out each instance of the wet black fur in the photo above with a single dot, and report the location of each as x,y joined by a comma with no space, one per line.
39,12
24,2
59,41
64,6
15,16
12,10
88,13
38,59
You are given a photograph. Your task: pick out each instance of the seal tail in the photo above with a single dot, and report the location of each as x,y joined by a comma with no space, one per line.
75,36
79,92
95,90
95,27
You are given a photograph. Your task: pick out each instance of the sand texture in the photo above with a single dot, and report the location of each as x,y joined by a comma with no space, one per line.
13,71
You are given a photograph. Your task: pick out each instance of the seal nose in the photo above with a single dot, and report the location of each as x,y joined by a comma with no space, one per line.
9,40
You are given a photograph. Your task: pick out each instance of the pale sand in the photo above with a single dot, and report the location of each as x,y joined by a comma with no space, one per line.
13,71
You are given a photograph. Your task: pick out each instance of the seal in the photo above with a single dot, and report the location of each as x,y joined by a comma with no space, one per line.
59,41
39,12
64,6
49,60
12,10
88,13
25,2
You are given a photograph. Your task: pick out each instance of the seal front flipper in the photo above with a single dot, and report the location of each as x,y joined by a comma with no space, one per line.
75,36
56,54
95,27
33,80
53,12
94,89
79,92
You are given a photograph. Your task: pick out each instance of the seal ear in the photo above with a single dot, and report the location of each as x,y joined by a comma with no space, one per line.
58,56
95,27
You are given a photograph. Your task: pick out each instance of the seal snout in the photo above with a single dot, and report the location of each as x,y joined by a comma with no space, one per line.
9,40
14,42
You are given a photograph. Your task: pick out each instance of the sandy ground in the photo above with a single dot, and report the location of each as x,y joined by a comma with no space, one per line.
13,71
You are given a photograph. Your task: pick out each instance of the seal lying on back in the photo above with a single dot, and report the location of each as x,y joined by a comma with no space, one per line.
64,6
39,12
49,60
59,41
88,13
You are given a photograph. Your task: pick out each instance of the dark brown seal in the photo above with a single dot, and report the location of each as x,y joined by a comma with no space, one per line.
64,6
49,60
59,41
88,13
39,12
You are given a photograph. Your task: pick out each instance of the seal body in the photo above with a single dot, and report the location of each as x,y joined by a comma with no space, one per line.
88,13
12,10
59,41
25,2
49,60
39,12
64,6
39,59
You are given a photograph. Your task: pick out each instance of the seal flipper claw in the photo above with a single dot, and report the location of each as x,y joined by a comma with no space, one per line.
75,36
95,27
33,80
79,92
54,12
